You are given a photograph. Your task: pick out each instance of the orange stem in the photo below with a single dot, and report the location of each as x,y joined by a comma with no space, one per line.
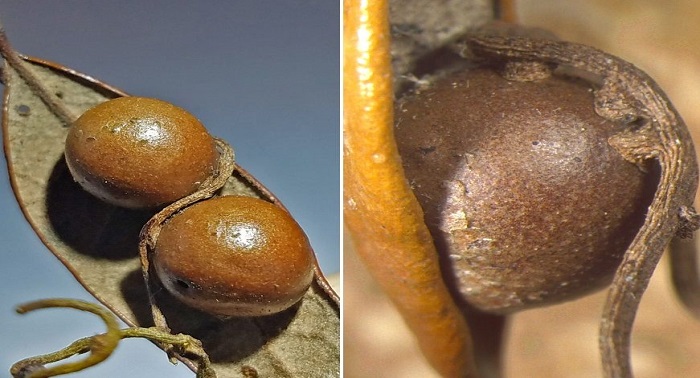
507,11
381,211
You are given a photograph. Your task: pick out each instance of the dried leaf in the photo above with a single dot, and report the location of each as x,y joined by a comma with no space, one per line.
98,243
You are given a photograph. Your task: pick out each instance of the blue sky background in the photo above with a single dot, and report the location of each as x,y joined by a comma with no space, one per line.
263,75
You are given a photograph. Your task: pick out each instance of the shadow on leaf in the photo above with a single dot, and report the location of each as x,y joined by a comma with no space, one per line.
88,224
224,339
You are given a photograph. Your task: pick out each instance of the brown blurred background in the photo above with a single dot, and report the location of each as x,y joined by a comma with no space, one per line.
660,37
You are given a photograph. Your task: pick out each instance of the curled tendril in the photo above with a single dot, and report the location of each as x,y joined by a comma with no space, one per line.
101,346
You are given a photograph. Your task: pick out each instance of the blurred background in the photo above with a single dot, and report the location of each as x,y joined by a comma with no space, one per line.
659,37
262,75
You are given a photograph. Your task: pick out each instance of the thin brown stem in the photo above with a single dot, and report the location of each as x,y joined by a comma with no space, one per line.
488,336
685,275
506,11
18,64
151,230
184,345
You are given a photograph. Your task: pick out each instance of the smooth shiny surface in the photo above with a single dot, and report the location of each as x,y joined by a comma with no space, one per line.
234,255
242,236
139,152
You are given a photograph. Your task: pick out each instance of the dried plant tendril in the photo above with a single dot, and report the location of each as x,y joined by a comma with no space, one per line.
101,346
151,230
656,133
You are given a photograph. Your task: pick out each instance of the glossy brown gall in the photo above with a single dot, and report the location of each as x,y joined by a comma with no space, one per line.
139,152
234,256
526,200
